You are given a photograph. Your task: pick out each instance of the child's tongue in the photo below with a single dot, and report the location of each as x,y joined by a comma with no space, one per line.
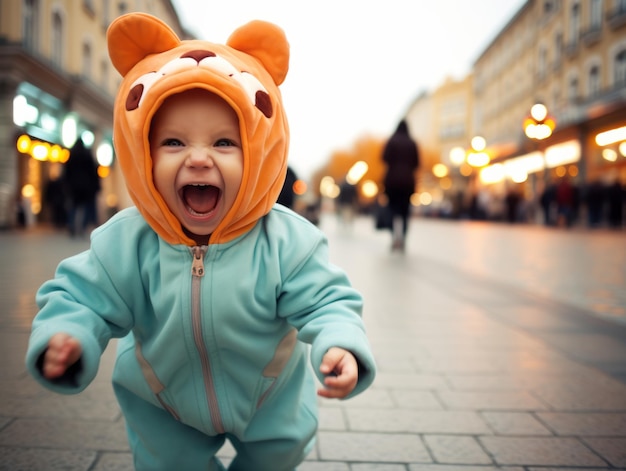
201,199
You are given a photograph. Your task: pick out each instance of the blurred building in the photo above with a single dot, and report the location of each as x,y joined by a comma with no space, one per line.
569,55
56,84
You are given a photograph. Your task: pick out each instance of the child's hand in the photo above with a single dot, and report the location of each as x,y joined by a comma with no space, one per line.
63,351
342,373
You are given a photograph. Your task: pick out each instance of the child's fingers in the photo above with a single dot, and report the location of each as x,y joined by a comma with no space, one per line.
62,352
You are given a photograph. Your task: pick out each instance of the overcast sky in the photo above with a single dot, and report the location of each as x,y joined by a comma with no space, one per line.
356,65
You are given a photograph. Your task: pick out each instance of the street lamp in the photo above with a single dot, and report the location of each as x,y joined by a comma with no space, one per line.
539,125
477,157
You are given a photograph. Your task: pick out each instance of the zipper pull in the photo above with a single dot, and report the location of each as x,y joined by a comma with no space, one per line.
197,266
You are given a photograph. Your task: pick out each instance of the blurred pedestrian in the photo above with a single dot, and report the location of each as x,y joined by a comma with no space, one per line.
548,201
347,202
55,201
594,199
565,202
615,199
401,156
82,184
287,195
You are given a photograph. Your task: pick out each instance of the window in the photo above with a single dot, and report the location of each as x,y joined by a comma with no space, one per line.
86,60
104,74
543,59
89,6
572,89
558,48
574,23
105,14
30,24
596,14
594,81
620,68
57,39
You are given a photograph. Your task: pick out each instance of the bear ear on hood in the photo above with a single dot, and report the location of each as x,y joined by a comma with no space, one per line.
133,36
265,42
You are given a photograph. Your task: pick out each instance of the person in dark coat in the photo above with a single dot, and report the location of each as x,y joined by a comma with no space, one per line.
83,184
616,195
401,156
287,195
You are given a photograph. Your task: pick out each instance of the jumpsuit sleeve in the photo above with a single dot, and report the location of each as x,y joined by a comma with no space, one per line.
321,304
83,302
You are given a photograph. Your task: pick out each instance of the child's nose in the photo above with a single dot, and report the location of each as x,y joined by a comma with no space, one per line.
199,157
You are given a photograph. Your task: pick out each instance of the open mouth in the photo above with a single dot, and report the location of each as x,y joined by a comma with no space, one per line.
200,199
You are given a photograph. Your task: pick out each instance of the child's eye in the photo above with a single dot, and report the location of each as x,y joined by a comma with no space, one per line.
225,143
171,142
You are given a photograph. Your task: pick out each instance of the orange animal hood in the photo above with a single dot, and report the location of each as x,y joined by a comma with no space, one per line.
246,72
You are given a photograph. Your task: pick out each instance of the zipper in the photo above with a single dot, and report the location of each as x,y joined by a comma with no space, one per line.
197,272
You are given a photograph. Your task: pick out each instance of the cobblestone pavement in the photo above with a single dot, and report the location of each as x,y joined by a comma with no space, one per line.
499,347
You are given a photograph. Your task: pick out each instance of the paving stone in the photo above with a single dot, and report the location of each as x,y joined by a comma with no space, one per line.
456,449
42,459
411,381
115,462
611,449
515,423
61,407
545,451
444,467
498,400
562,399
585,423
421,400
65,434
372,447
415,421
373,397
331,418
377,467
323,466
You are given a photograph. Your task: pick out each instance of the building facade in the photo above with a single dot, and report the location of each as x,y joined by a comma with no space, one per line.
57,84
569,55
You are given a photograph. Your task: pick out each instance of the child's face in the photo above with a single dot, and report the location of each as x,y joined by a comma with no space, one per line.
197,159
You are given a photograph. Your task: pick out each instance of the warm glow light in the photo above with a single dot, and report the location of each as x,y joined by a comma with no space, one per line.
466,170
519,177
478,159
40,151
329,188
23,144
562,154
111,200
440,170
369,189
424,199
539,112
356,172
609,154
299,187
445,183
492,174
457,156
478,143
622,149
103,172
28,191
612,136
55,153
